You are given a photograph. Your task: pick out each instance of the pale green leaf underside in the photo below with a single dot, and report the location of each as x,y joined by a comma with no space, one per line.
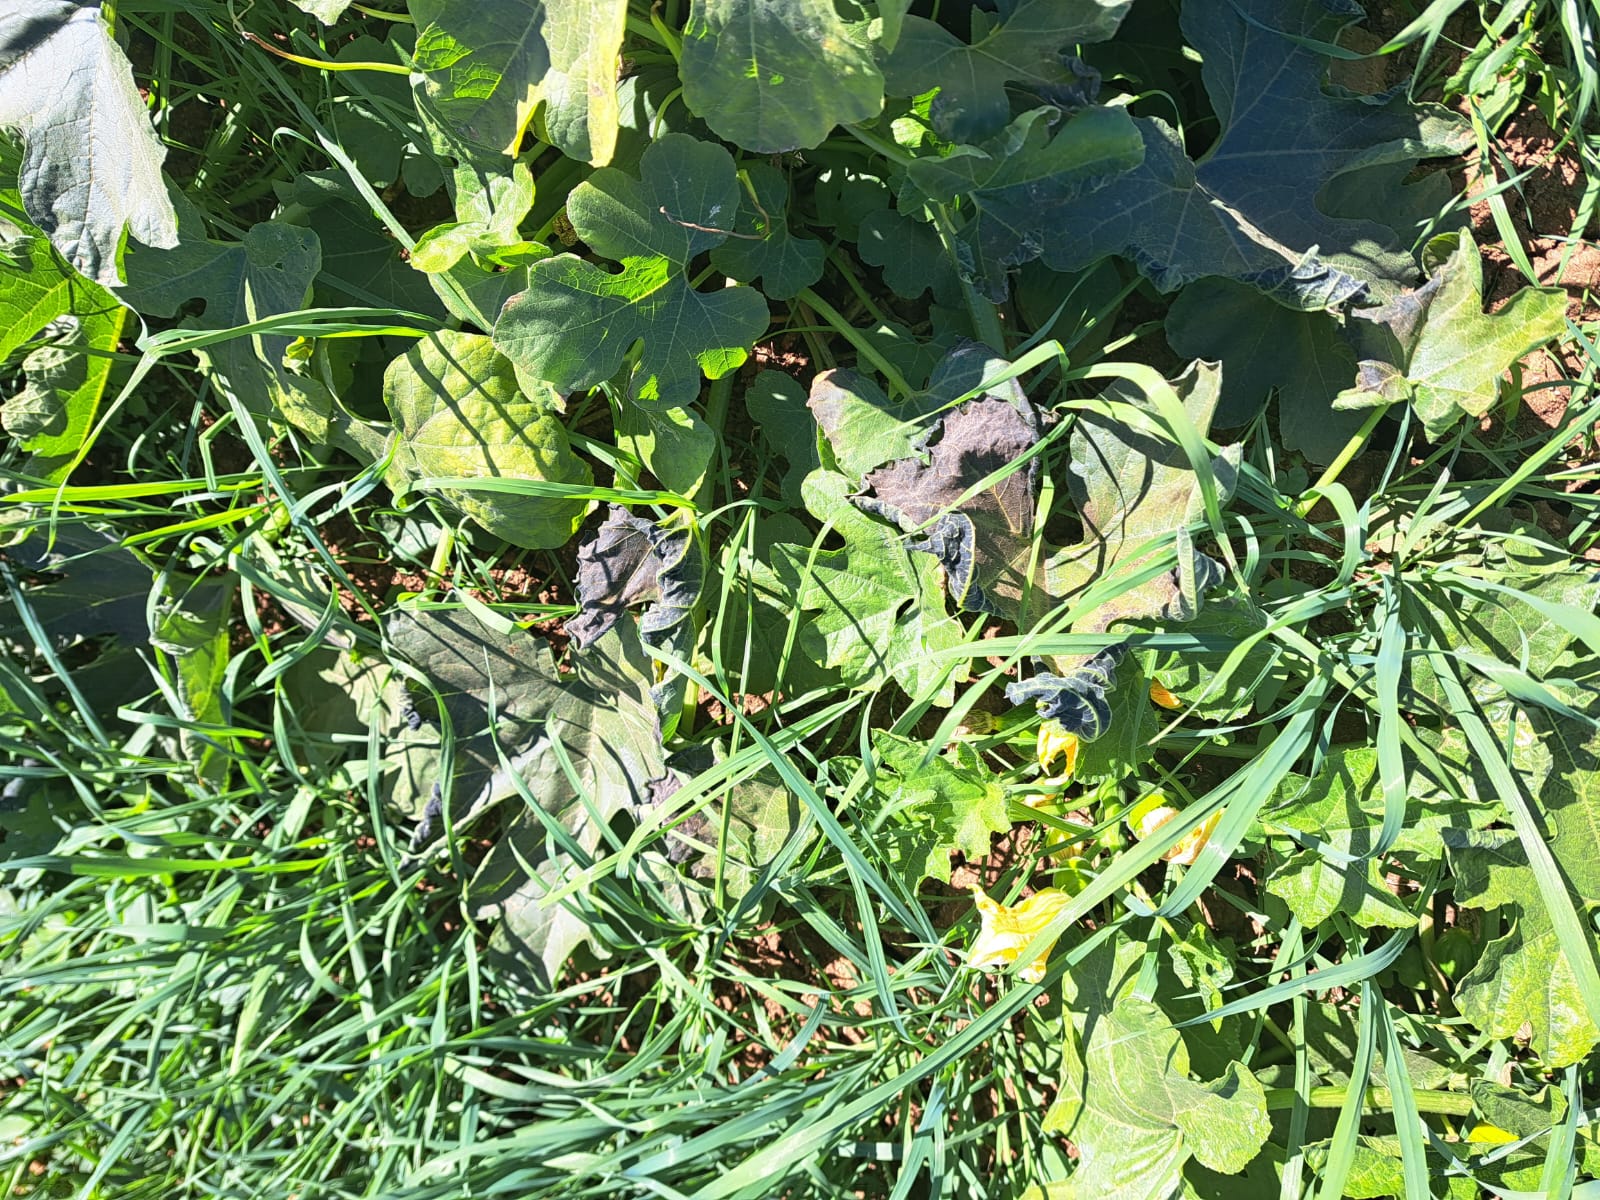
1143,1117
92,163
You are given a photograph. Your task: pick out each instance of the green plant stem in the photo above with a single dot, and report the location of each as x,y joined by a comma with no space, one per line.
1454,1104
985,317
842,265
1345,456
879,145
717,397
836,322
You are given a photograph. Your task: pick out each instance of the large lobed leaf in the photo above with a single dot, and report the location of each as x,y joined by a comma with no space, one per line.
1026,186
576,323
1336,816
268,273
92,164
1249,209
598,723
1524,980
1027,48
1433,347
1129,1104
1133,487
945,805
875,611
66,375
1438,349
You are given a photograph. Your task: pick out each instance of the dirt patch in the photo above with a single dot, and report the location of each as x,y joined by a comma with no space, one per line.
1543,211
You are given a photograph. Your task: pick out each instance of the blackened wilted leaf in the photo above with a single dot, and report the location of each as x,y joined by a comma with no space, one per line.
978,532
631,561
1076,701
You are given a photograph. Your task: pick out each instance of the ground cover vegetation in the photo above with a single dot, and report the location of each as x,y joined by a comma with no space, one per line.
810,599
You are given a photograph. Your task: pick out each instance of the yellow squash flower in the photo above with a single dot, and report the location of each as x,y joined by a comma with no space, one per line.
1148,818
1160,695
1055,741
1007,930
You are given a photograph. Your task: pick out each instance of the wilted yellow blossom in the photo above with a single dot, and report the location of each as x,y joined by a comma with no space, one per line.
1149,818
1057,742
1007,930
1160,695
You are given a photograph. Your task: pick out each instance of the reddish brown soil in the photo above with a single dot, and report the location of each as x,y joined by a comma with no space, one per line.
1543,213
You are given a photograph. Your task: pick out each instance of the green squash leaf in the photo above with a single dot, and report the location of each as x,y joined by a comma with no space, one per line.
100,589
675,445
1024,185
576,323
878,608
1524,981
761,246
863,427
1264,346
326,11
92,163
52,415
773,77
910,254
459,414
1451,357
191,630
268,273
948,805
1335,817
1133,1111
777,404
1029,47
